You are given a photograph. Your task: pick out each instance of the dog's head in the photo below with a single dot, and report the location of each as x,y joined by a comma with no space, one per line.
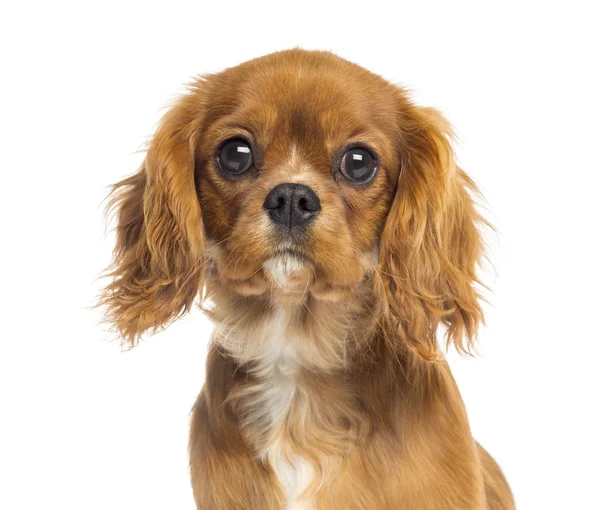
299,175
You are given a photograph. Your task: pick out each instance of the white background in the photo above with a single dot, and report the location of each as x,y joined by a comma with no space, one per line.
86,426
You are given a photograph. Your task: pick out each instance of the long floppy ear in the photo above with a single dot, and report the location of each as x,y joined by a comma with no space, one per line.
431,244
157,270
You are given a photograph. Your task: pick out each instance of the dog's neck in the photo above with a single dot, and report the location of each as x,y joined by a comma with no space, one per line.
322,336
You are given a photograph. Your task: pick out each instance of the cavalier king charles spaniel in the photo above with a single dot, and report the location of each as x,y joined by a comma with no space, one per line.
319,217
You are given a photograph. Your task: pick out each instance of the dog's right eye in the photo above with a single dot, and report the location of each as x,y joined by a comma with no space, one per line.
234,156
358,165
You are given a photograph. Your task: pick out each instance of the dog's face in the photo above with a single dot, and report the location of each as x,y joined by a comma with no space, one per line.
299,175
296,171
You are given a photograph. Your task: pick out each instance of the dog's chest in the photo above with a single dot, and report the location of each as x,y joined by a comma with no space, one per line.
278,372
294,473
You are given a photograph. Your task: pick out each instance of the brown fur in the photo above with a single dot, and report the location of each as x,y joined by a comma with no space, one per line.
374,410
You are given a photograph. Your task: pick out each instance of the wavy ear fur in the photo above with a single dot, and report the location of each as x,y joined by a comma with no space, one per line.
157,270
431,245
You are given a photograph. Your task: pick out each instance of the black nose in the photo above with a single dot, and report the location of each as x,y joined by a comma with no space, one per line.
292,205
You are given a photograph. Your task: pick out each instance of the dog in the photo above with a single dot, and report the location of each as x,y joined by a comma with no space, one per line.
318,217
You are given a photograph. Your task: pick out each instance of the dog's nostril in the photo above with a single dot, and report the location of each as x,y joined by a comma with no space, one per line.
291,204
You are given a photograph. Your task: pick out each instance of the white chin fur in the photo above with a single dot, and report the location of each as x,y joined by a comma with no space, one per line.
287,271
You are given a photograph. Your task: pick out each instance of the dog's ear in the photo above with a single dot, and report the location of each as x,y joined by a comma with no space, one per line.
157,270
431,244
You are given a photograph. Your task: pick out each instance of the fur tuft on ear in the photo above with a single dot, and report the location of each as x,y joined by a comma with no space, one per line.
431,245
158,265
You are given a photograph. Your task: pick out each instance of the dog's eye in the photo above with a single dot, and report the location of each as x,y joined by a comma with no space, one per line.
358,165
234,156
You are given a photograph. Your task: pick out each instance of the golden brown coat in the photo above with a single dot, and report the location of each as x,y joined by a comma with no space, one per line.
373,412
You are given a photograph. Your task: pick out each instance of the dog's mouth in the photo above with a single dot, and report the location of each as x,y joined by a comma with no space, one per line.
293,253
289,247
288,274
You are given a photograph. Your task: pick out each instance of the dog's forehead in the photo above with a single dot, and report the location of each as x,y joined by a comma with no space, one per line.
305,107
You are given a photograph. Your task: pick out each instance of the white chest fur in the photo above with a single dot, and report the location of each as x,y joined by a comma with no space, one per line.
277,369
294,473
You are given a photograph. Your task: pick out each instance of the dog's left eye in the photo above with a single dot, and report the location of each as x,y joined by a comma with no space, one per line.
234,156
358,165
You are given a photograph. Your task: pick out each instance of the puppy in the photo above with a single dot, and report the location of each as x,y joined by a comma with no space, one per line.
321,220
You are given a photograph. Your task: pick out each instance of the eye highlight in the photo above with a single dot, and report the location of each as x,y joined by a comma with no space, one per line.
234,156
358,165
